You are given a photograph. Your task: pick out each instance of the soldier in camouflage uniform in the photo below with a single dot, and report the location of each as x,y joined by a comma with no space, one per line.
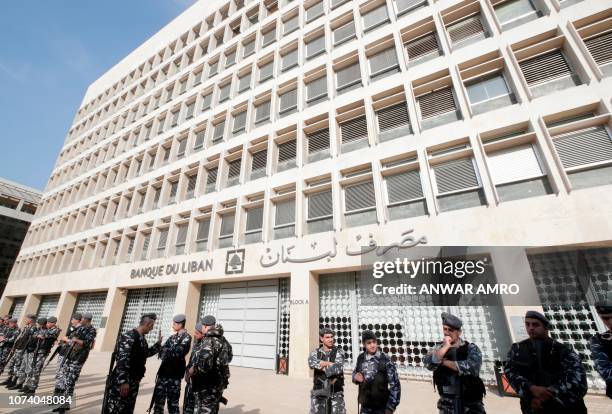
547,375
208,371
601,346
7,339
80,343
132,353
75,322
46,338
172,368
376,375
328,382
16,366
456,365
189,400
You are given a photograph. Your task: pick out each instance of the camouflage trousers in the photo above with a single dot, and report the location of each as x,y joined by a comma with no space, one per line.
35,368
116,404
4,353
189,401
446,405
317,404
167,389
68,377
15,363
206,401
25,368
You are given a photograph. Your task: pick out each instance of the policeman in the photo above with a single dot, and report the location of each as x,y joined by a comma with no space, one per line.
9,334
172,368
376,375
547,375
601,346
80,342
328,382
132,353
456,365
46,338
189,399
208,370
16,361
75,321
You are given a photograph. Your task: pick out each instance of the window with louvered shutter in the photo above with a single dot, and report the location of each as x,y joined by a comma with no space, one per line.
465,29
393,117
405,186
230,59
211,179
160,126
157,195
545,67
262,112
375,17
600,47
455,175
197,79
233,174
383,62
359,196
181,237
291,25
513,10
436,103
227,225
258,164
173,189
348,76
218,132
354,130
145,246
206,102
316,10
404,6
318,141
289,60
147,134
266,71
214,68
344,32
337,3
199,140
183,87
583,147
203,230
286,153
249,48
130,247
239,122
244,82
288,101
284,213
315,46
190,110
254,221
163,238
141,202
224,92
269,37
514,164
191,185
316,90
182,147
166,154
320,205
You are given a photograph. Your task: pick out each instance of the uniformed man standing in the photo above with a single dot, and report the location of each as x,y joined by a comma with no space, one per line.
14,362
79,342
132,353
172,368
7,340
547,375
601,346
24,358
189,399
75,322
327,395
208,370
376,375
46,338
456,365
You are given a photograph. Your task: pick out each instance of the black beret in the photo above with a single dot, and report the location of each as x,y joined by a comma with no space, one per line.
539,316
52,319
149,316
180,318
451,320
209,320
603,307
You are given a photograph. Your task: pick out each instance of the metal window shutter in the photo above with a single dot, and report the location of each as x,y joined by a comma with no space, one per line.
157,195
403,5
318,141
190,109
286,151
314,10
166,154
191,183
375,16
230,59
348,74
203,229
315,45
317,88
48,305
404,186
266,70
17,308
218,133
290,59
383,60
320,204
212,176
393,117
142,200
285,213
249,48
466,28
545,67
244,82
206,101
291,24
182,146
584,146
600,47
227,224
234,168
269,36
175,117
514,164
240,121
173,188
181,234
436,103
359,196
262,111
92,302
130,245
354,130
163,237
200,138
225,91
344,32
254,219
259,160
288,100
455,175
145,243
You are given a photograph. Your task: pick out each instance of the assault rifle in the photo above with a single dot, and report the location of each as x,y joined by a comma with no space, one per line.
12,351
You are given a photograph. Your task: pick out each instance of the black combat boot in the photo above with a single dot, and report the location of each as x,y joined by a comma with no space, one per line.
7,381
27,391
15,386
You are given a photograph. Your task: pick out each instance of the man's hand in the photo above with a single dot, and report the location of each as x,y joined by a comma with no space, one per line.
540,393
191,371
124,389
446,342
325,364
359,377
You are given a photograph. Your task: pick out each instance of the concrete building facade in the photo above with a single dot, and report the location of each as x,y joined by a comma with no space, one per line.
235,162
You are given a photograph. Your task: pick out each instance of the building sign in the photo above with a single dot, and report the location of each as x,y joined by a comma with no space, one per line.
234,262
191,266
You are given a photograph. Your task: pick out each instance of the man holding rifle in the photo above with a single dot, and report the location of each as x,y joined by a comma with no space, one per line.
16,355
45,338
75,322
189,399
7,340
327,395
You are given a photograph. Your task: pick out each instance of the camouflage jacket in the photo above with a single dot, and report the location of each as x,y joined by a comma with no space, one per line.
9,335
87,334
601,358
131,356
469,366
173,354
50,336
369,369
571,385
318,355
208,361
25,334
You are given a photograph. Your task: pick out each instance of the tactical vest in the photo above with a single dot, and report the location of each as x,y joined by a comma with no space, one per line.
47,343
374,394
80,353
35,342
468,387
318,381
24,338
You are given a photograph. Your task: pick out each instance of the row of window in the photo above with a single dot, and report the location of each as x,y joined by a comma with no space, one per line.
516,168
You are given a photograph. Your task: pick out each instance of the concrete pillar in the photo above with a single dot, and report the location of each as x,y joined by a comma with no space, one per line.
31,305
187,298
111,319
65,306
5,305
304,329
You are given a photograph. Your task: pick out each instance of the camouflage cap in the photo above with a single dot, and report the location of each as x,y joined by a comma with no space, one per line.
52,319
209,320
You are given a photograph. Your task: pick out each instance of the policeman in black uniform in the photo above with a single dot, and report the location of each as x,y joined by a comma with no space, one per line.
601,346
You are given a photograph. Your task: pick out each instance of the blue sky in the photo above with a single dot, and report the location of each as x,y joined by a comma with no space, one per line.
50,51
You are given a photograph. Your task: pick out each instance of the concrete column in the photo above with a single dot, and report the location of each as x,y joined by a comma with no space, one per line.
64,309
5,305
31,305
112,314
187,297
303,334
